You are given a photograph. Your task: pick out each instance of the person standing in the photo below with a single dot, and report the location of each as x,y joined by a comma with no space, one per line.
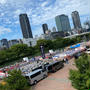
67,61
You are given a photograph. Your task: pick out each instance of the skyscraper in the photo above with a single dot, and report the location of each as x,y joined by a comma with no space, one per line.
62,23
45,28
25,26
76,20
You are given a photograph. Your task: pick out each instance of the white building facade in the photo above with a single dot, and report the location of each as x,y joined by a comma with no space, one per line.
30,41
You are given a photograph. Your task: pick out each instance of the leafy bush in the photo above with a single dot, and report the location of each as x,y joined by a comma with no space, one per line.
15,81
81,78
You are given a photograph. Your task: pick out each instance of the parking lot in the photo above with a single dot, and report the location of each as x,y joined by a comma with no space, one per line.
58,80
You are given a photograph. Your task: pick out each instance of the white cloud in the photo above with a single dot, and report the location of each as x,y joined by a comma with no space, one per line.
3,1
44,4
60,7
4,30
18,11
16,22
2,14
39,12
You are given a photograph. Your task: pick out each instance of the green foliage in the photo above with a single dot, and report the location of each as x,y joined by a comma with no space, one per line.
4,87
15,80
63,42
48,44
15,53
83,63
20,49
80,78
78,39
58,43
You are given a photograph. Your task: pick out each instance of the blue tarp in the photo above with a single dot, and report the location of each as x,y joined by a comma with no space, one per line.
78,45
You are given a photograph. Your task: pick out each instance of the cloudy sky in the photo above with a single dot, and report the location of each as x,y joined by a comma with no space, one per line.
39,12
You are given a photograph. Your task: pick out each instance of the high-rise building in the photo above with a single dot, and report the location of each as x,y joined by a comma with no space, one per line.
30,41
25,26
62,23
4,43
76,20
45,28
13,42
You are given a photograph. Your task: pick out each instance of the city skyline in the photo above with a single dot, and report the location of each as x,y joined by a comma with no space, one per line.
39,12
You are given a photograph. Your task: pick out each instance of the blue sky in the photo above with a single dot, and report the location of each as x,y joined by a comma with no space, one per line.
39,12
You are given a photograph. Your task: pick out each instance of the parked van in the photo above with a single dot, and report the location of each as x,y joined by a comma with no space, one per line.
53,67
36,76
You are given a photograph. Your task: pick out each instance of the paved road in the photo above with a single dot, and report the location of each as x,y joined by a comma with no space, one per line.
58,80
